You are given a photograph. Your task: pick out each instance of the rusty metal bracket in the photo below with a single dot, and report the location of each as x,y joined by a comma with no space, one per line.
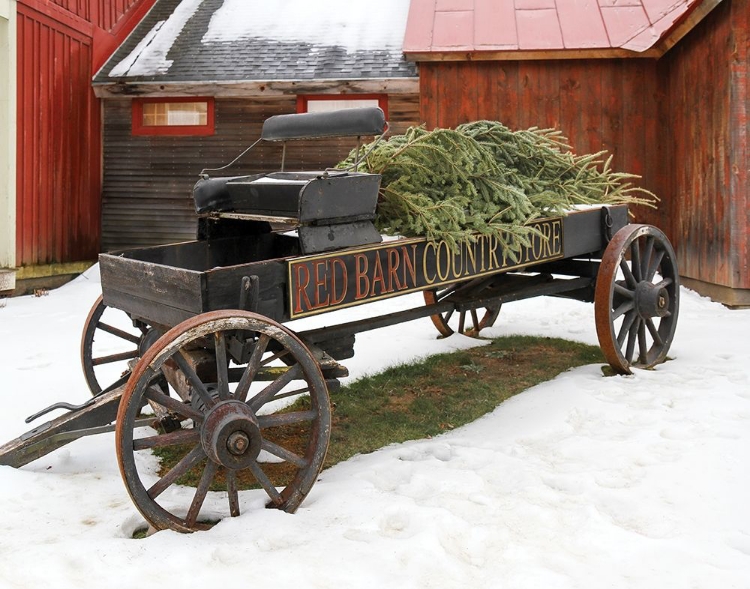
607,224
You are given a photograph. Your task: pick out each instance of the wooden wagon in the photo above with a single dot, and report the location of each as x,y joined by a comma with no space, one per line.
209,372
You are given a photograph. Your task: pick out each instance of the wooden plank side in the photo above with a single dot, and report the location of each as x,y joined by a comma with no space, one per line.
159,284
224,285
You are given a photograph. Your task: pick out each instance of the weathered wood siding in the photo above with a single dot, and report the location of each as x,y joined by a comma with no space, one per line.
148,180
703,131
597,104
680,122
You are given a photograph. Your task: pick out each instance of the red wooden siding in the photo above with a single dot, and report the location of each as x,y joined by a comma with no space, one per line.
703,131
58,203
58,194
598,104
680,122
109,12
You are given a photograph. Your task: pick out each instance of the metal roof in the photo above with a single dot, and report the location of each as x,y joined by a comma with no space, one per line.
436,26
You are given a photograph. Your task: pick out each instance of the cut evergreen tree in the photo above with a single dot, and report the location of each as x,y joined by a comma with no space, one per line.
483,178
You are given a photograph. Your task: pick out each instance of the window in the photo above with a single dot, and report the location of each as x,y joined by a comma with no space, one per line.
173,116
327,102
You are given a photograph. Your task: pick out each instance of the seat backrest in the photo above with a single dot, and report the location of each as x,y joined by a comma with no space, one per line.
351,122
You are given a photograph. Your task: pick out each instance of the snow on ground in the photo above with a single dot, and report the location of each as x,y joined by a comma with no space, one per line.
581,482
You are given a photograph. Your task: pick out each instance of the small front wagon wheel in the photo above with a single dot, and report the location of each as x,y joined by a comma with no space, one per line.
110,339
241,370
636,300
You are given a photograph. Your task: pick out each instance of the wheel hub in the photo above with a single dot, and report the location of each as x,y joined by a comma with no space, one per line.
651,301
230,435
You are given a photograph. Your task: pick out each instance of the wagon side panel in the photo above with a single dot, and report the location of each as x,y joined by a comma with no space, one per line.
162,295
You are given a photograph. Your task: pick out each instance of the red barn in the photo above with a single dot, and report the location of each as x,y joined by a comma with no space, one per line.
60,44
660,84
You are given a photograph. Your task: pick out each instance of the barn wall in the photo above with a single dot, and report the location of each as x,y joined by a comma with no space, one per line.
704,126
598,104
148,180
57,204
58,171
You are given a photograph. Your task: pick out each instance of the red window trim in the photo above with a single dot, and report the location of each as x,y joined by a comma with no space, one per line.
138,127
303,99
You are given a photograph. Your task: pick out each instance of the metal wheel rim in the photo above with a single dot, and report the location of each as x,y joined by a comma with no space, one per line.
473,322
133,398
629,334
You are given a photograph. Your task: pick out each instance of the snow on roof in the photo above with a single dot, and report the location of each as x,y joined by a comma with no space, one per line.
195,40
543,25
150,55
352,24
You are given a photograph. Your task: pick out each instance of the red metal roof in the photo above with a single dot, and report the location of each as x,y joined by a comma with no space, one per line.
540,25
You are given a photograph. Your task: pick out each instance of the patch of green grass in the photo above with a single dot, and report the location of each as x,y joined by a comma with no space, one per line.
419,400
444,392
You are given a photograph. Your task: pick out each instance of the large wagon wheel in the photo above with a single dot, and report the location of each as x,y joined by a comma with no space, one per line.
465,322
107,344
637,298
227,430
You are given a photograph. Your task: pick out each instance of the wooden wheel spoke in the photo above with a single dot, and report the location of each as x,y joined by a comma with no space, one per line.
278,355
623,292
635,265
475,320
629,278
654,265
654,332
664,283
183,466
209,472
279,419
180,436
625,327
233,495
448,315
134,339
284,454
114,357
157,396
461,321
194,379
266,483
222,365
293,393
632,337
623,308
642,342
264,396
253,364
648,250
